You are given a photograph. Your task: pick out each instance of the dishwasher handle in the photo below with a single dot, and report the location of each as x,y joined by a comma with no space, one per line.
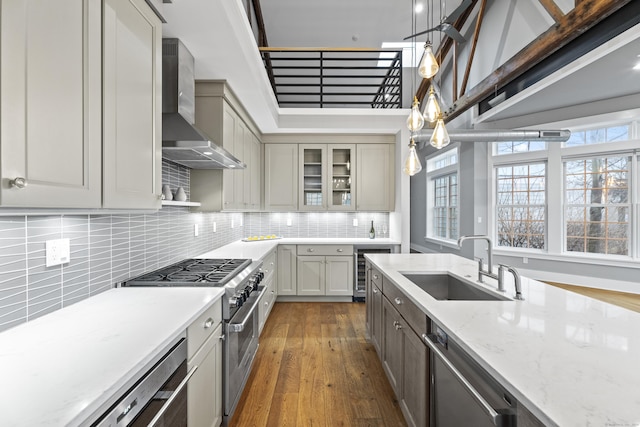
497,418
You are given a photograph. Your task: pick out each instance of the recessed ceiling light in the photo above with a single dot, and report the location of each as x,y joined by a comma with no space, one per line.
419,8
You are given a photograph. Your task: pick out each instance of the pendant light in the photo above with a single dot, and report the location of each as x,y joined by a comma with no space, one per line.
412,165
428,65
432,108
415,121
440,137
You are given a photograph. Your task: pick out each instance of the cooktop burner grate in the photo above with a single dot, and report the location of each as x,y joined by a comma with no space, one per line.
206,272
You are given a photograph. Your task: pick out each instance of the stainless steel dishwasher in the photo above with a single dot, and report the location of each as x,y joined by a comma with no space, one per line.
462,393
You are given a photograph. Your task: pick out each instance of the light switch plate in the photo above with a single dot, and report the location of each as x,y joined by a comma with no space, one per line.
57,252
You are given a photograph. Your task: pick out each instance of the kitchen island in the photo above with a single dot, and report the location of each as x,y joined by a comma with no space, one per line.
569,359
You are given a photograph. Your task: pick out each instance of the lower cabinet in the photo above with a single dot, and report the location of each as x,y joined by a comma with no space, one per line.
271,288
204,350
320,273
405,358
287,270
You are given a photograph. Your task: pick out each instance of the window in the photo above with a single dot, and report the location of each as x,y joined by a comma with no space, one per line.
520,206
442,195
579,198
597,207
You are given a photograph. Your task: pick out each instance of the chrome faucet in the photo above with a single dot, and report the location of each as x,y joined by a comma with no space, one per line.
516,279
481,271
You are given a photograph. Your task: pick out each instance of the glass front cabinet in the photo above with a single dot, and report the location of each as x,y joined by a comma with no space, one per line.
326,180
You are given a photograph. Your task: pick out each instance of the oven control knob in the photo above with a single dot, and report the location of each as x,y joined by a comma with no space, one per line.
235,302
241,295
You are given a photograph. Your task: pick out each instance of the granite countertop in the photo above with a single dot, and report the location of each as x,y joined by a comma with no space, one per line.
570,359
259,249
68,367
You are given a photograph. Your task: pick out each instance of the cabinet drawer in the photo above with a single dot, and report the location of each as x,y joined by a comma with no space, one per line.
202,327
269,264
411,313
325,250
376,277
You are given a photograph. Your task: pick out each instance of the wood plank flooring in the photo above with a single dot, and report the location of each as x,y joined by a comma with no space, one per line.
621,299
315,368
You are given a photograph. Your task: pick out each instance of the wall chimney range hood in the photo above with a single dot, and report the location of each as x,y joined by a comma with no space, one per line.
182,142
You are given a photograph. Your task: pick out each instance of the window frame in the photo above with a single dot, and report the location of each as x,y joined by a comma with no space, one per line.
431,176
555,157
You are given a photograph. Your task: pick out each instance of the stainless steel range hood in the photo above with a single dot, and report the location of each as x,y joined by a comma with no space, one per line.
182,142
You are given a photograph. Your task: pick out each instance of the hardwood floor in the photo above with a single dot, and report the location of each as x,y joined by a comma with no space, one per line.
315,368
621,299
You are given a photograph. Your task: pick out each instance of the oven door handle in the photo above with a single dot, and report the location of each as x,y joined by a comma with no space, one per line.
173,397
239,327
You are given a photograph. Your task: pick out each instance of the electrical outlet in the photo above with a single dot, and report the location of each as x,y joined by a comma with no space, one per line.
57,252
289,221
196,230
215,227
355,222
232,223
525,260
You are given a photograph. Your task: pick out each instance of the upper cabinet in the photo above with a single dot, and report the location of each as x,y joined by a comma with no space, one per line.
132,73
375,177
80,104
50,111
220,115
329,177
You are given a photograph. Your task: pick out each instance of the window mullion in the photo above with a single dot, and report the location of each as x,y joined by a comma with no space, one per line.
555,200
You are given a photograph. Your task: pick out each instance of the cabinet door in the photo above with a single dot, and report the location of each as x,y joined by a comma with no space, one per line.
229,130
339,275
392,346
341,173
375,172
281,177
376,318
415,381
50,86
205,386
313,177
311,275
132,73
287,270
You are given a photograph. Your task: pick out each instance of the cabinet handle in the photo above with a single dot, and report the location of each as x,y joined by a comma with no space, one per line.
397,325
375,277
375,290
19,182
309,249
339,250
398,301
208,323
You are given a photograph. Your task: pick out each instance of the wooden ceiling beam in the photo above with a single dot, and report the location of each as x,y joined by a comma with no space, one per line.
552,9
474,44
584,16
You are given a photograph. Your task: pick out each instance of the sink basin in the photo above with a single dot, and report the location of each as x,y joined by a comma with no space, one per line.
449,288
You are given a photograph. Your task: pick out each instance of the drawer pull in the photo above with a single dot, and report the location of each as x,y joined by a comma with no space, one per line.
340,250
398,301
375,277
18,182
309,249
375,290
398,326
208,323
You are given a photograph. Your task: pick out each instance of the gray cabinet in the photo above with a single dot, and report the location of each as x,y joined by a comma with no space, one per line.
311,275
50,94
132,127
405,358
281,177
220,115
373,300
287,270
325,270
375,177
269,267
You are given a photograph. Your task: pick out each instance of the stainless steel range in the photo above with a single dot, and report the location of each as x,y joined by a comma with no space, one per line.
240,279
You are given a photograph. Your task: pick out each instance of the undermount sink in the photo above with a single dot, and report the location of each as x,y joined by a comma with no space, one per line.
449,288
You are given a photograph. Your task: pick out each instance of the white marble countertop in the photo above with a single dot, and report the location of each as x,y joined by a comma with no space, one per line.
570,359
68,367
258,249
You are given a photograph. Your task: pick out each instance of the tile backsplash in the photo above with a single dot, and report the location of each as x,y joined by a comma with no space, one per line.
109,248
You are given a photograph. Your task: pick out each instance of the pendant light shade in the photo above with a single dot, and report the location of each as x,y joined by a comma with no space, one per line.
440,137
412,165
415,121
432,108
428,65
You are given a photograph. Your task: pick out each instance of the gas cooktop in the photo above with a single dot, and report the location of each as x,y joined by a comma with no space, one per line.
193,272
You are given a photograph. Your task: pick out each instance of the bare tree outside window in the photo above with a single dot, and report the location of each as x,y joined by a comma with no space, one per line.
520,206
597,205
